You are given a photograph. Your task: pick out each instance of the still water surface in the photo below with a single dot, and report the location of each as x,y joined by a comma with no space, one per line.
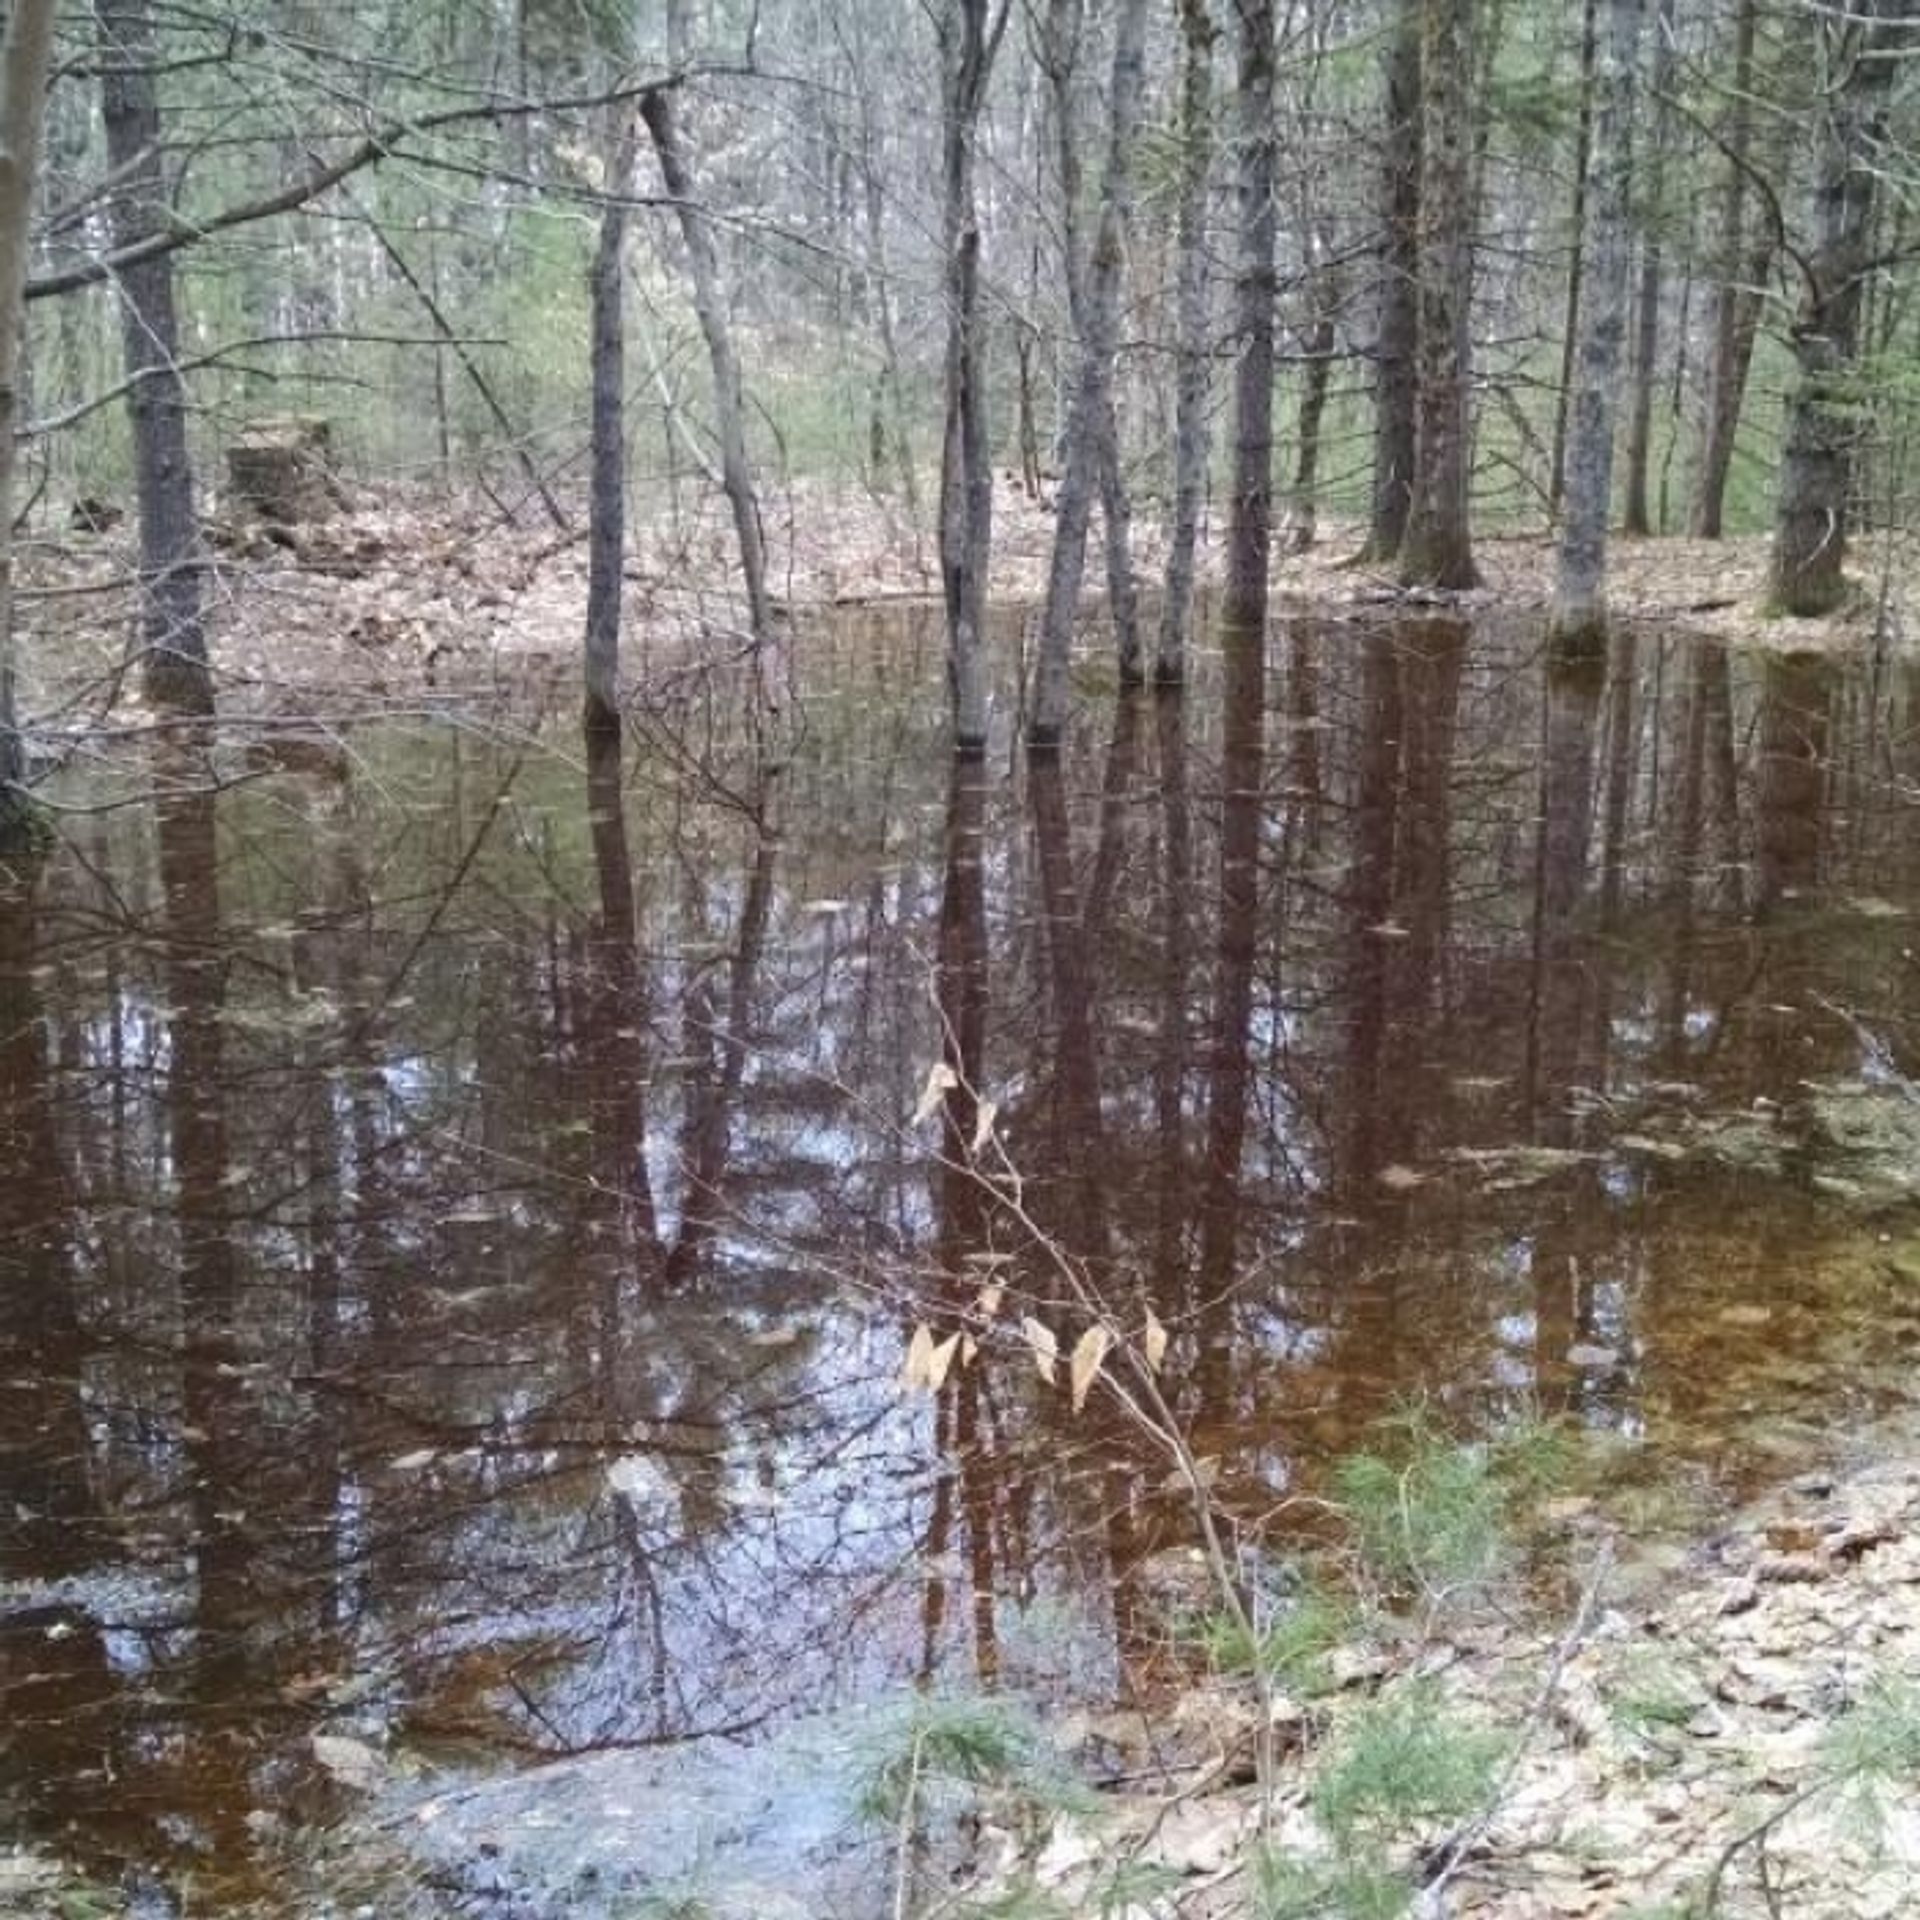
461,1216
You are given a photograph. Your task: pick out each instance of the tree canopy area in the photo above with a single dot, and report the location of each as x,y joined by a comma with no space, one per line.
1385,274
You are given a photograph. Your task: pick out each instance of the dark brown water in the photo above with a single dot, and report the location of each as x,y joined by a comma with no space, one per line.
461,1219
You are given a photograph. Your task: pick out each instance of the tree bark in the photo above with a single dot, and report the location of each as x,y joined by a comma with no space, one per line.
1577,259
968,43
1250,525
1727,373
658,110
1810,535
1637,517
1058,54
1190,396
1091,450
607,502
1579,606
1438,549
1322,338
1396,346
902,440
25,60
172,630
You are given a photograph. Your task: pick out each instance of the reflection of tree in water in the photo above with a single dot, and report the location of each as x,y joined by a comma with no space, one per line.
498,1145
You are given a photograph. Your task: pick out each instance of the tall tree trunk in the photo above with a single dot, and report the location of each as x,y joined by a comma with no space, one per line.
1091,450
25,60
1250,526
1244,634
1396,344
1116,512
1637,517
1576,259
172,631
1438,549
659,110
1810,536
881,279
1058,56
1727,371
607,504
1190,398
1302,495
967,46
1579,603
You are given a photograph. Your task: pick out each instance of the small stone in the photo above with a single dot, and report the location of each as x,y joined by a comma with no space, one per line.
1791,1569
1591,1358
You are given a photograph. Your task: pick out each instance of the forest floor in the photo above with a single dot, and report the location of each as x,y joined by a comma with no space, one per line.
1737,1735
410,597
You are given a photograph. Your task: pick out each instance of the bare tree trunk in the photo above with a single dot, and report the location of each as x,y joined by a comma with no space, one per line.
1250,526
25,60
1058,56
658,110
1637,516
1727,372
968,44
1302,501
1810,536
889,342
1577,259
1090,450
1116,510
607,503
1397,343
1438,549
172,631
1190,400
1579,601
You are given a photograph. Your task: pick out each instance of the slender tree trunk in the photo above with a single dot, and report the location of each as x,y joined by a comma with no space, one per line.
1090,449
1727,371
25,60
1576,260
1250,525
1438,549
172,631
1322,338
1116,511
967,46
1823,415
658,109
607,505
1579,606
1637,517
1190,399
881,280
1396,346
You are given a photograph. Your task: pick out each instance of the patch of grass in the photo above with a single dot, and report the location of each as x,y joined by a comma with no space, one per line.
1431,1515
1404,1761
1288,1889
1133,1886
1293,1647
1024,1901
964,1744
1872,1747
1653,1695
